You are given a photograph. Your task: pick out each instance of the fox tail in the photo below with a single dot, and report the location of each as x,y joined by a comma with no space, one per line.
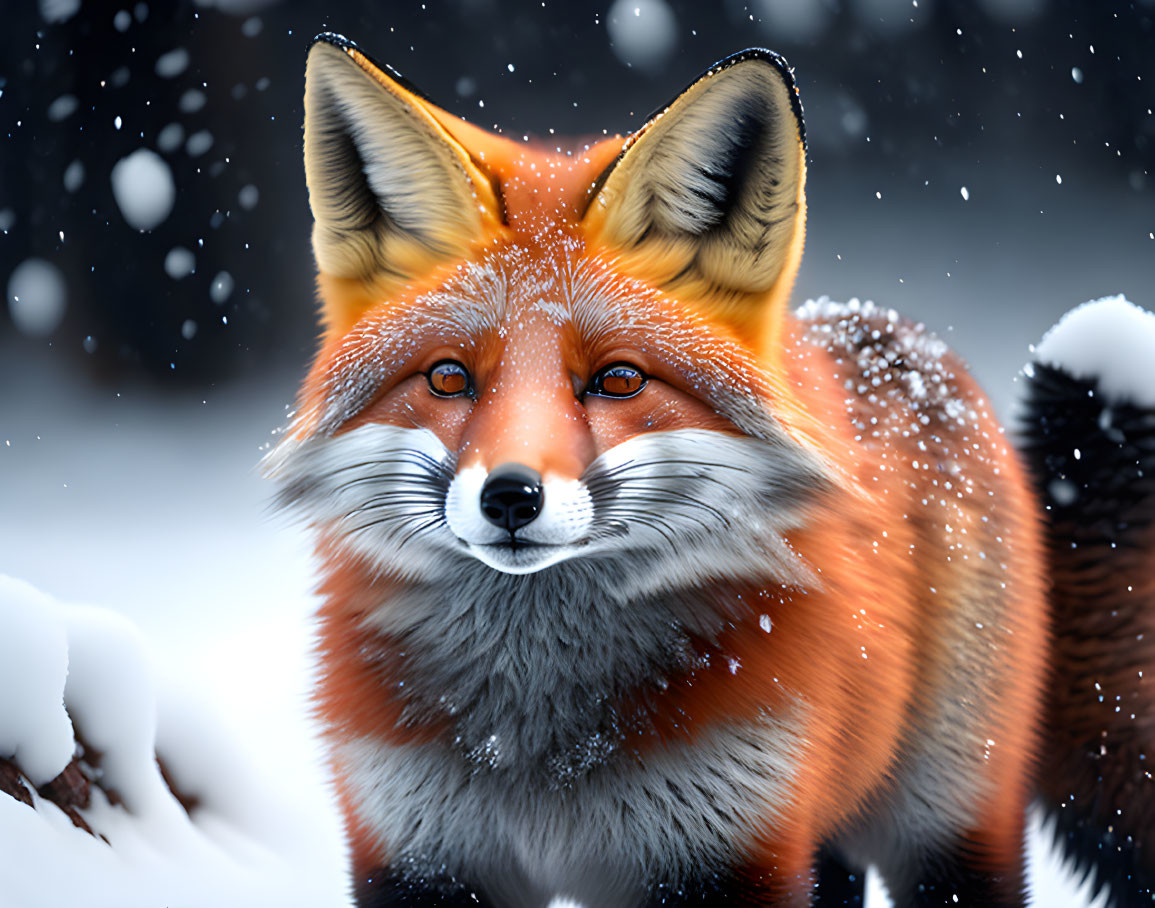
1090,444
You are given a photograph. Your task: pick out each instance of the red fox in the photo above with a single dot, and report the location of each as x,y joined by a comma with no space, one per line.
639,589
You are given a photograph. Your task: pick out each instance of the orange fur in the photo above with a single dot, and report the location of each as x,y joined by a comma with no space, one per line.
918,530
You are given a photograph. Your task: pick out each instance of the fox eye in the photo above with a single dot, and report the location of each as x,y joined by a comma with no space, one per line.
449,378
617,380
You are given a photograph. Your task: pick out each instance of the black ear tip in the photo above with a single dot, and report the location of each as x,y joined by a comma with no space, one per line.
334,39
772,57
784,70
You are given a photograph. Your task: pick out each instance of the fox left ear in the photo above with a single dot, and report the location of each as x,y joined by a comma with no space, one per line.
706,200
393,190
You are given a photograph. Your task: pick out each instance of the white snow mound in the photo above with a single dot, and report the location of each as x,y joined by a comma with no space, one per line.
1110,340
34,728
77,672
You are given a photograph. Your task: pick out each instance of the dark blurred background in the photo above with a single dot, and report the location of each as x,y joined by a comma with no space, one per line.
980,164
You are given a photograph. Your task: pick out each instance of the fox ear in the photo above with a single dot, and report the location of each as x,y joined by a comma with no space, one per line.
393,193
706,199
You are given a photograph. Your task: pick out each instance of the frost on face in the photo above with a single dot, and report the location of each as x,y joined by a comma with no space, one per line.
144,190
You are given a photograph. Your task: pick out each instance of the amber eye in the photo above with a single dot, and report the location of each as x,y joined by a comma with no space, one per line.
449,378
617,380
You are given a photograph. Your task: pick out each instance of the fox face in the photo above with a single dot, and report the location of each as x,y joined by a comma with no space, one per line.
537,418
533,402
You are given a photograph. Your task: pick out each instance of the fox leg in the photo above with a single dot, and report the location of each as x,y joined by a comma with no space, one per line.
387,888
743,887
838,884
714,888
953,881
966,872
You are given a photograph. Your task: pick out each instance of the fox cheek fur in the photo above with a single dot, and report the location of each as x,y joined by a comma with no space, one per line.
637,588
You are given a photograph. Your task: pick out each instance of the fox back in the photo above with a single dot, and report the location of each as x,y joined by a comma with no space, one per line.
637,587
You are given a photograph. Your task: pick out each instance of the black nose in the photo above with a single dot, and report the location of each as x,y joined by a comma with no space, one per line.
512,496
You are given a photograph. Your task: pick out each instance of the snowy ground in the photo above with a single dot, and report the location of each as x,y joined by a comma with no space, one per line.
153,507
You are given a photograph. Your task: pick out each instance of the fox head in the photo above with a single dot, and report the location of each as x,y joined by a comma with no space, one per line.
535,357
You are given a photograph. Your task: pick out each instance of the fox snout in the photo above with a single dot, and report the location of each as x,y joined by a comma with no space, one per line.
511,497
514,519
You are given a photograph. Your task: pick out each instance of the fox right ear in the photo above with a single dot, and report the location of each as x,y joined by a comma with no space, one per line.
393,193
706,199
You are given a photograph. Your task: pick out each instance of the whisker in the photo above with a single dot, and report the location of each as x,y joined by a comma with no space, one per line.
419,483
395,527
676,499
398,503
683,461
434,469
641,517
618,476
421,528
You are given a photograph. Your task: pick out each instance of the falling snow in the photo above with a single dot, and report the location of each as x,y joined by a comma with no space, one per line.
173,63
143,186
643,33
36,297
179,262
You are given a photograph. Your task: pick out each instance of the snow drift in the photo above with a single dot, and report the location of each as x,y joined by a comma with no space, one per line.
119,789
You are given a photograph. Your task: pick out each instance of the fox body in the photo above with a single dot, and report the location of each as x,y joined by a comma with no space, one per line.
637,587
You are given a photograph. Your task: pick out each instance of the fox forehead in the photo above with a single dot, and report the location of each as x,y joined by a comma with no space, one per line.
551,287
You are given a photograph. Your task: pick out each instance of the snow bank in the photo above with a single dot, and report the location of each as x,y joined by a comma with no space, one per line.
34,728
175,813
1110,340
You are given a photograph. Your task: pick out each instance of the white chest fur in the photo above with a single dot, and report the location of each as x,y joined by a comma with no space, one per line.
599,839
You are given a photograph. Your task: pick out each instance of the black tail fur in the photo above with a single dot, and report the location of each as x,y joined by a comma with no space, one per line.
1093,461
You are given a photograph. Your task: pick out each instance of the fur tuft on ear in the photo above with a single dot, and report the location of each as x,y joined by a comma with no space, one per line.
706,200
393,193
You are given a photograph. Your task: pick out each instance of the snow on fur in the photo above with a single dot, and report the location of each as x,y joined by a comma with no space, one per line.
1110,340
78,692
